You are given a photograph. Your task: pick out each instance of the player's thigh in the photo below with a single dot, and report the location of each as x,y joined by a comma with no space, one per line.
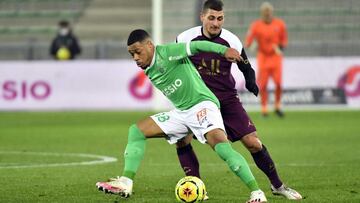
276,72
277,75
205,119
149,128
261,60
236,120
263,72
263,78
172,125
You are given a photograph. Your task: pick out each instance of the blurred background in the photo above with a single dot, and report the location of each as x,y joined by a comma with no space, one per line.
322,60
316,28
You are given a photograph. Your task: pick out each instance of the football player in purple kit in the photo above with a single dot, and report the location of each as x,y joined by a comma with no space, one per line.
215,70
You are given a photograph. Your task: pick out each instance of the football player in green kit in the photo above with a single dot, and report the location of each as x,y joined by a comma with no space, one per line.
196,109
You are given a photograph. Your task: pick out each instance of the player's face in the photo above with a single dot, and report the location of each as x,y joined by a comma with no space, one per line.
142,53
212,21
267,14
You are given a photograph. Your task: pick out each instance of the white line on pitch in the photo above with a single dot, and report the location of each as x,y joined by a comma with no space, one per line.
99,159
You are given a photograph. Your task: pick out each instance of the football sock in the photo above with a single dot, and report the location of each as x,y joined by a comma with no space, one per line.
134,151
237,164
188,161
277,96
266,164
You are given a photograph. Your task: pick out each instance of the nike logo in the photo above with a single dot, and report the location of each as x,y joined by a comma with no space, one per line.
187,169
236,168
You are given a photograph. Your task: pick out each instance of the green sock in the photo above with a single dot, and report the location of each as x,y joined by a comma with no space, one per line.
237,164
134,151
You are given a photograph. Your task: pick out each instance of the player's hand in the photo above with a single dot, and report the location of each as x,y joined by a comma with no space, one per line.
232,55
277,50
252,87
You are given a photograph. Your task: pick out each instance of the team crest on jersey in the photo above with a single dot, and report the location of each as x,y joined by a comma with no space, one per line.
161,69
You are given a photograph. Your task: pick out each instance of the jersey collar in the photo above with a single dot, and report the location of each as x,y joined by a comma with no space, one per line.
202,33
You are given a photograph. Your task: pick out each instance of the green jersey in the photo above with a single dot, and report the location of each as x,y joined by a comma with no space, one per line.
172,72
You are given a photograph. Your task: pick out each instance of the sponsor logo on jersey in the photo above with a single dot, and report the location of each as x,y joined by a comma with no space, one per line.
201,116
170,89
174,58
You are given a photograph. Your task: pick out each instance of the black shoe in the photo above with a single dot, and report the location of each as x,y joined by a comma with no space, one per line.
279,113
264,115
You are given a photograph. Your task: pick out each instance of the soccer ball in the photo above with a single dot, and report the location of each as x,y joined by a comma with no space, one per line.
63,53
190,189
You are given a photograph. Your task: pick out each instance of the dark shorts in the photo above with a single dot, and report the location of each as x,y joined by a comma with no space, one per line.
236,120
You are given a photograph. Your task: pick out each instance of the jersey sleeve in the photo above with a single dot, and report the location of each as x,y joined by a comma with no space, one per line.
233,40
283,34
176,51
250,36
195,47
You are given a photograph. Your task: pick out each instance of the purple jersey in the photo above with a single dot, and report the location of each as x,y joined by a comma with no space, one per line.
215,70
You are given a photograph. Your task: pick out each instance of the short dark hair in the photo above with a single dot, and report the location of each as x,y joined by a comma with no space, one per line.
64,23
216,5
137,35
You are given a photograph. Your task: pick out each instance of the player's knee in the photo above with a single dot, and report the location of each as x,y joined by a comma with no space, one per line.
256,147
262,87
215,137
182,143
278,84
252,142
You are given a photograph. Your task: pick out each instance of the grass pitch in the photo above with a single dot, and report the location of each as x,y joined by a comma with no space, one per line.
316,153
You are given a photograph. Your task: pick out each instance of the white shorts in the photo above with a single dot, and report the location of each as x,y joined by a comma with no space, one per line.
199,120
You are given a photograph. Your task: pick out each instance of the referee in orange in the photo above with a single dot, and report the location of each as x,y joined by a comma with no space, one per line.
271,36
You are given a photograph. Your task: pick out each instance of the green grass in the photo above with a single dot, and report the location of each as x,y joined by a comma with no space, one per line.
316,152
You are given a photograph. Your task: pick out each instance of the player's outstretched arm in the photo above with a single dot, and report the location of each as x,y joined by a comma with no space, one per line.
205,46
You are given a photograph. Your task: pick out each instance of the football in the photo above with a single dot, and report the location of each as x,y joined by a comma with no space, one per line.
63,53
190,189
